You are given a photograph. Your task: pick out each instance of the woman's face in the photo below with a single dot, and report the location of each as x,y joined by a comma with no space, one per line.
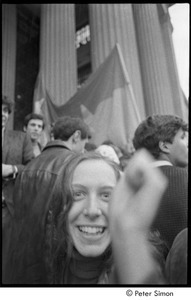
92,185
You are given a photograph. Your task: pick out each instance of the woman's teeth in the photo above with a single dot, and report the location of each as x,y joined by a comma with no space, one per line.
91,230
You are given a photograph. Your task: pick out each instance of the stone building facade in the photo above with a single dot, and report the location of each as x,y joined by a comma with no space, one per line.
68,42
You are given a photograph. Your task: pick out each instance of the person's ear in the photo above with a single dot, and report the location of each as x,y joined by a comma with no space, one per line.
24,129
164,147
76,136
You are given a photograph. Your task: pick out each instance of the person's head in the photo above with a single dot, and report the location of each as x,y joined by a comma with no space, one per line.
108,151
88,182
73,131
72,215
7,107
116,148
165,137
34,125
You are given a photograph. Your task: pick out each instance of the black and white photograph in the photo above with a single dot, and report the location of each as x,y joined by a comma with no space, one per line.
95,138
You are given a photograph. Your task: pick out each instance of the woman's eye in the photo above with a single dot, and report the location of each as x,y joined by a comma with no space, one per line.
106,196
78,195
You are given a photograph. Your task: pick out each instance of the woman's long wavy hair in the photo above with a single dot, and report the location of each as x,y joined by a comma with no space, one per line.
58,243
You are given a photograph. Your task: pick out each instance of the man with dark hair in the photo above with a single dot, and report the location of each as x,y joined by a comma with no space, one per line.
166,138
33,126
73,132
16,152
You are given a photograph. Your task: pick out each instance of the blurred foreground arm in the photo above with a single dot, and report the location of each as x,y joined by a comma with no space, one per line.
134,204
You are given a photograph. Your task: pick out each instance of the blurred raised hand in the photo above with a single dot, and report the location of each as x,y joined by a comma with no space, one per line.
133,207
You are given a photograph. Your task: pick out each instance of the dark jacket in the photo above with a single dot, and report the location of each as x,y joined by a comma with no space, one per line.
172,215
34,191
177,259
38,178
18,151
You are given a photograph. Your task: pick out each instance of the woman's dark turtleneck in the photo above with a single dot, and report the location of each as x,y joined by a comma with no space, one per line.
86,270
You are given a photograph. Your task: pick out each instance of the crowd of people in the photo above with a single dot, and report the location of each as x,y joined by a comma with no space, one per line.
78,213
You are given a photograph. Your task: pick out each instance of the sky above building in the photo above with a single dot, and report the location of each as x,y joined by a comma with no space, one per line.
180,14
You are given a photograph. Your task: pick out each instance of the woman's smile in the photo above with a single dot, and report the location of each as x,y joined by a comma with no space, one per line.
88,216
91,230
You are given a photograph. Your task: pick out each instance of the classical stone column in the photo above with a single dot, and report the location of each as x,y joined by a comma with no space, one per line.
111,24
9,53
167,29
58,60
154,67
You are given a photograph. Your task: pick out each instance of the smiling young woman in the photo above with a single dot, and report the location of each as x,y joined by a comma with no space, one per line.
88,184
67,236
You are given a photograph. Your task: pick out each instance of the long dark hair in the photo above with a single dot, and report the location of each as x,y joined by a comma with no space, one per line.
58,245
